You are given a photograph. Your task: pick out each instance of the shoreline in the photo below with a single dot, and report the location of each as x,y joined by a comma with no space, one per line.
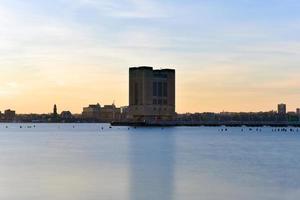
176,124
206,124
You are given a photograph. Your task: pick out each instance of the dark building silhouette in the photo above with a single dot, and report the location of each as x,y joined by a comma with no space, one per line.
281,109
9,115
298,111
151,93
54,117
66,115
55,110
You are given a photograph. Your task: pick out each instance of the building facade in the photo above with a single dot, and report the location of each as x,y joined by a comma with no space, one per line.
110,113
92,112
151,93
9,115
107,113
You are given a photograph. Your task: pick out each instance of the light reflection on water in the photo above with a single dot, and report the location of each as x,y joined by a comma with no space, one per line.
152,164
82,161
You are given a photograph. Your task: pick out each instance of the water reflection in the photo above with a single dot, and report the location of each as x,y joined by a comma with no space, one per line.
152,165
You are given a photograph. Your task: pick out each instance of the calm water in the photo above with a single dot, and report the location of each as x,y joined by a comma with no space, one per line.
83,162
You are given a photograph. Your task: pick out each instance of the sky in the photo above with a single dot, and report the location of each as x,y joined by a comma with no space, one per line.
229,55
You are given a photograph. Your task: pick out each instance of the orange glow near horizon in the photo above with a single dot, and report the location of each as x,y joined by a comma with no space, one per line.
196,92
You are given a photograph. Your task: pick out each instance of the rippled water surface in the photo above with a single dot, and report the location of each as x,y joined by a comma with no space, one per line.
84,162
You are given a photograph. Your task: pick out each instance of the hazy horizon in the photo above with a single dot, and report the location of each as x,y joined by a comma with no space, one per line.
233,55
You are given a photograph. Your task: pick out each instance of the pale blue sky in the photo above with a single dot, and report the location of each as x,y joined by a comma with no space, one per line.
229,55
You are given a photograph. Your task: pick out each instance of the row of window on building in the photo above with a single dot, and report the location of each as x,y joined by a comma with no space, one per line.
160,101
160,89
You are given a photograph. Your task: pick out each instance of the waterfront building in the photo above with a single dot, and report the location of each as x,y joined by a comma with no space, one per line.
110,113
92,112
9,115
124,112
281,109
66,115
151,94
107,113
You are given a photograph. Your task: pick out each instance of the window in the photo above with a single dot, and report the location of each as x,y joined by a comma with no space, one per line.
160,89
160,75
154,101
165,101
165,89
155,89
136,94
159,101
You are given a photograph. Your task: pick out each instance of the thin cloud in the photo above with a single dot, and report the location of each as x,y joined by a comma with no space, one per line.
125,9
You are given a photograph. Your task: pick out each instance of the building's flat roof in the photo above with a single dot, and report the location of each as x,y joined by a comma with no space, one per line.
150,68
161,70
141,67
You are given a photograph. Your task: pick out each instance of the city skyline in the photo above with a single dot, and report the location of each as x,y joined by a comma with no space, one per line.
228,55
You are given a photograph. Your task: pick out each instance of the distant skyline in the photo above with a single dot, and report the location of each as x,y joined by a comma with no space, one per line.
229,55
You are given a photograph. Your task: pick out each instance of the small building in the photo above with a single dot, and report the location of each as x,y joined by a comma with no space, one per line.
66,115
298,111
281,109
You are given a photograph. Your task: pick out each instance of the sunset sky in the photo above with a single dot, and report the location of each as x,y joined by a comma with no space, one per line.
232,55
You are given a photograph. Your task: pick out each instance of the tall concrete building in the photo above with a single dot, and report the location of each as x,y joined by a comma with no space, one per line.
151,93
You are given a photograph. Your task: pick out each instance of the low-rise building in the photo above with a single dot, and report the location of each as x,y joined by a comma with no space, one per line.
107,113
298,111
92,112
9,115
124,112
110,113
66,115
